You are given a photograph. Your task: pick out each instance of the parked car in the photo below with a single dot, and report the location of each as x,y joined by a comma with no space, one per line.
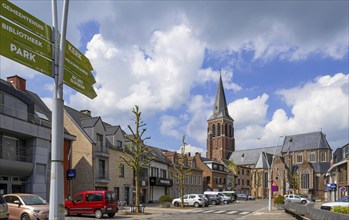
97,202
3,209
231,194
295,198
25,206
213,199
224,198
242,197
190,200
251,197
343,202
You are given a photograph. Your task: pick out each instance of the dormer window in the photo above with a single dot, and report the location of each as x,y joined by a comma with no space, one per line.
299,158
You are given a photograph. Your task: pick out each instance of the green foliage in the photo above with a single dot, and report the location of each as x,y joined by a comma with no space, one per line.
340,209
165,198
279,200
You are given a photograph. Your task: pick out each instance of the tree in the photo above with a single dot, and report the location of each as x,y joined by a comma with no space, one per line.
181,169
294,181
136,153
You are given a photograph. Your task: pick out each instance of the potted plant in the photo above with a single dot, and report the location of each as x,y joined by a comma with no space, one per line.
165,201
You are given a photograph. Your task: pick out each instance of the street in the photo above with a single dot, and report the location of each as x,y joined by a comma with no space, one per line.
154,212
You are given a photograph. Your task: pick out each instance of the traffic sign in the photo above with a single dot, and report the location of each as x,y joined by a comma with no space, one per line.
74,81
343,189
25,38
23,18
21,54
71,174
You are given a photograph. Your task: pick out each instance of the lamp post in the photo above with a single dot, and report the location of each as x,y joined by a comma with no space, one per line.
269,173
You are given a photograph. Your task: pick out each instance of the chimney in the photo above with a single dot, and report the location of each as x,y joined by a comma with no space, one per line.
86,112
18,82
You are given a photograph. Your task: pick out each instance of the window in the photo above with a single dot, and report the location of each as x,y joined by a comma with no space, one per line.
154,172
117,193
226,129
221,168
118,143
242,182
216,180
214,166
247,172
299,158
101,169
247,182
99,142
265,180
312,157
242,171
323,156
10,105
163,173
305,180
230,131
238,181
213,130
122,170
13,149
219,129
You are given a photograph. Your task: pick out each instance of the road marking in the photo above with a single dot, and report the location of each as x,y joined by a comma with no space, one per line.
218,212
196,211
232,212
244,213
209,211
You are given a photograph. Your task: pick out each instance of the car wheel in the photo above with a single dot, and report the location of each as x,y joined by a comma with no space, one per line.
225,202
176,204
197,205
111,214
25,216
303,202
213,202
98,213
66,212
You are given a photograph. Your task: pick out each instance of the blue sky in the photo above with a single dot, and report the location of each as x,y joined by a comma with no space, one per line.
284,66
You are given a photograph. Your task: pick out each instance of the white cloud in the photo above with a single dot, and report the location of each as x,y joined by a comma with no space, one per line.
315,106
169,126
156,78
192,150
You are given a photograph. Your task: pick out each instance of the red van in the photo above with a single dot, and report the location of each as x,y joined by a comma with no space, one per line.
97,202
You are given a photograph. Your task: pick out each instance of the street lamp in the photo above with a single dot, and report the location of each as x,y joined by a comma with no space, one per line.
269,173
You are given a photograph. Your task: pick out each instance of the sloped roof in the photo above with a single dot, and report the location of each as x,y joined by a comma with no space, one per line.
306,141
158,155
220,109
264,160
250,156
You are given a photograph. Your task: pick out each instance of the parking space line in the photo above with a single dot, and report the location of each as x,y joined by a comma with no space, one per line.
218,212
209,211
232,212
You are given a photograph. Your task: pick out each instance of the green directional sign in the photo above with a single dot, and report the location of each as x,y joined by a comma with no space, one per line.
26,39
78,70
74,54
74,81
23,18
21,54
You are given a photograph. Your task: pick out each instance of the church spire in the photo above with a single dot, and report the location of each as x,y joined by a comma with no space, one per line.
220,109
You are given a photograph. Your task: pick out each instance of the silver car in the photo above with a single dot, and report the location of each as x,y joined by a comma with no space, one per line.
295,198
196,200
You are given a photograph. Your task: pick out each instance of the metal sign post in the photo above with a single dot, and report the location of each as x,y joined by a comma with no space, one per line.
57,163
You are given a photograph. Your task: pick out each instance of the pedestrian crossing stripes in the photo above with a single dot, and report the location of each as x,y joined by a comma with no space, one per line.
227,212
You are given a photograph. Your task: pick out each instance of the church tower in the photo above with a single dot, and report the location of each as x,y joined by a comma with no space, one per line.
220,128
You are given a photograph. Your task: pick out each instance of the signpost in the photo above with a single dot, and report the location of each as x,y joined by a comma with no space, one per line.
29,41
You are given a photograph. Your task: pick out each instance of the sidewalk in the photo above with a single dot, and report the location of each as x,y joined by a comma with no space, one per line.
264,213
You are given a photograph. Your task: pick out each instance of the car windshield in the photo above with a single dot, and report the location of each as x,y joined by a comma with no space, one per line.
33,200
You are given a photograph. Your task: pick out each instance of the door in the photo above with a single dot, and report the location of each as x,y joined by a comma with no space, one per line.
3,188
76,206
127,194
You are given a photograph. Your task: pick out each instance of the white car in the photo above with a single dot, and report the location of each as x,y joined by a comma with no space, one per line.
196,200
295,198
344,202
